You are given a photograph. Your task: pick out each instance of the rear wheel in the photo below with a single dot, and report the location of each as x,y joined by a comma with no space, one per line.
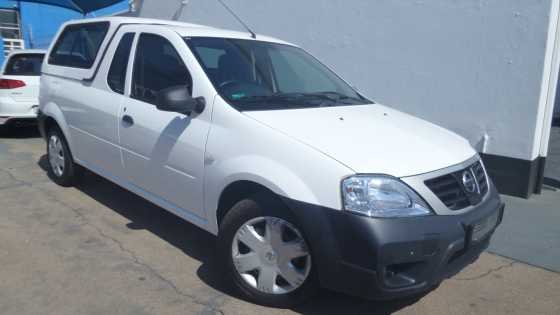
267,255
62,169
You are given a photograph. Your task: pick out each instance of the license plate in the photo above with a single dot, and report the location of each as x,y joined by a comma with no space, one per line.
481,229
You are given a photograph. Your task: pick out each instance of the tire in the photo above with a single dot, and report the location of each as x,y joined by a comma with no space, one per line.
295,280
5,130
62,169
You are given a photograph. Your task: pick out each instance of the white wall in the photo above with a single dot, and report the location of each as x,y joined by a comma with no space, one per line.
473,66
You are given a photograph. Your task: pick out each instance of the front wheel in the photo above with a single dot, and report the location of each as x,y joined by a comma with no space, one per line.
62,169
267,255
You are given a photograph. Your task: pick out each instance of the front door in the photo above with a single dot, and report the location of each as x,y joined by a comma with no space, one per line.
163,152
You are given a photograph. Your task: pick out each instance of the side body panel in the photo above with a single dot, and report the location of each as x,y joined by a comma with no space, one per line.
163,152
91,110
241,148
89,114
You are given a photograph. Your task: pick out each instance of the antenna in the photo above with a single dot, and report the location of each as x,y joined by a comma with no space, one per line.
132,6
179,11
31,37
253,35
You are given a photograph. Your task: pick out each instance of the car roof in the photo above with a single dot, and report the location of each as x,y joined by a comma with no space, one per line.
182,28
27,51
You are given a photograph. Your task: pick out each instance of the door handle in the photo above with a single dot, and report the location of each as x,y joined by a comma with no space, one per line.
127,120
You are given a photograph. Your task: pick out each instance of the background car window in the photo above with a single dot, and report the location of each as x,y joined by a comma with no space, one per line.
78,45
24,64
157,66
117,73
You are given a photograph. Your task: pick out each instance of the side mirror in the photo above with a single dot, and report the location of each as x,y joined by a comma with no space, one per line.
177,99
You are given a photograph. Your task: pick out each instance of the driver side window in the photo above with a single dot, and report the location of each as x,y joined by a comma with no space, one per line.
157,66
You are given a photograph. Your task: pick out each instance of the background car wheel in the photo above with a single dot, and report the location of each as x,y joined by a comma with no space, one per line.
62,169
4,130
266,254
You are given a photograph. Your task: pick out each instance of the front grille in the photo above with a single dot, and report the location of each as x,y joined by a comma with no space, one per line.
451,191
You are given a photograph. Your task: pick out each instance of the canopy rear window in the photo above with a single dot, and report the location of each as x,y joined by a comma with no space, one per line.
78,45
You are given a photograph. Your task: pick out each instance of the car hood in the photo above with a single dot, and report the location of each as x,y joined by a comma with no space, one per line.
371,138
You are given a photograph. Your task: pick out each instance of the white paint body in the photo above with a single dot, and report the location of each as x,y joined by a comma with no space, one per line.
22,102
184,163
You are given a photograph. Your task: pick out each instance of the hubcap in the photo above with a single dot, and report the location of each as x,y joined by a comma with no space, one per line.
56,155
271,255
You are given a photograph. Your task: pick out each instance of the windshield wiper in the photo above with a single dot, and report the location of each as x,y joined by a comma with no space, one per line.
301,99
273,100
265,98
327,98
336,96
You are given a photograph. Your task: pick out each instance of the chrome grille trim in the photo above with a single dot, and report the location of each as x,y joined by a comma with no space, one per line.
481,177
418,183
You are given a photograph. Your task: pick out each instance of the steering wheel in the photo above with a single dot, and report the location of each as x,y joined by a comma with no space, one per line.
228,82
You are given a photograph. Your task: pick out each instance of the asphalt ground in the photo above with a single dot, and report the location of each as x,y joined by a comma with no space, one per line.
530,231
98,249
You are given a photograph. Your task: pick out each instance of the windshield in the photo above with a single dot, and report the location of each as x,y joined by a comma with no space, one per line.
255,75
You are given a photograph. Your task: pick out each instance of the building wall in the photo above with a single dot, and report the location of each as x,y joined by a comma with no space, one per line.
473,66
41,22
1,49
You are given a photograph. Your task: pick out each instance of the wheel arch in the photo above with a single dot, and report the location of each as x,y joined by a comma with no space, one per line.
237,191
54,117
50,123
238,177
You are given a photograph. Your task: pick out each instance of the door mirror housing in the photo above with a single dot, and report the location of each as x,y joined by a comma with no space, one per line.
177,99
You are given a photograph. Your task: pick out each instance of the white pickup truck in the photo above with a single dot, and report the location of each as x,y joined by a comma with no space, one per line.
306,182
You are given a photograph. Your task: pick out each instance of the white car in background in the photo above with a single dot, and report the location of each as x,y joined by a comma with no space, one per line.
19,86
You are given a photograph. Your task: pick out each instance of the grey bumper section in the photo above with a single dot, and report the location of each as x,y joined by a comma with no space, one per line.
392,258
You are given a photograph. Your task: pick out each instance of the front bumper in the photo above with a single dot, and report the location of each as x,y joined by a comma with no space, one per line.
391,258
28,119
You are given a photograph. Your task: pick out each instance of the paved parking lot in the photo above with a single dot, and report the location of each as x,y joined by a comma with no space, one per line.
552,170
97,249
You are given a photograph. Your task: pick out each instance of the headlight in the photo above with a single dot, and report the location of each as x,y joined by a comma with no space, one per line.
382,196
